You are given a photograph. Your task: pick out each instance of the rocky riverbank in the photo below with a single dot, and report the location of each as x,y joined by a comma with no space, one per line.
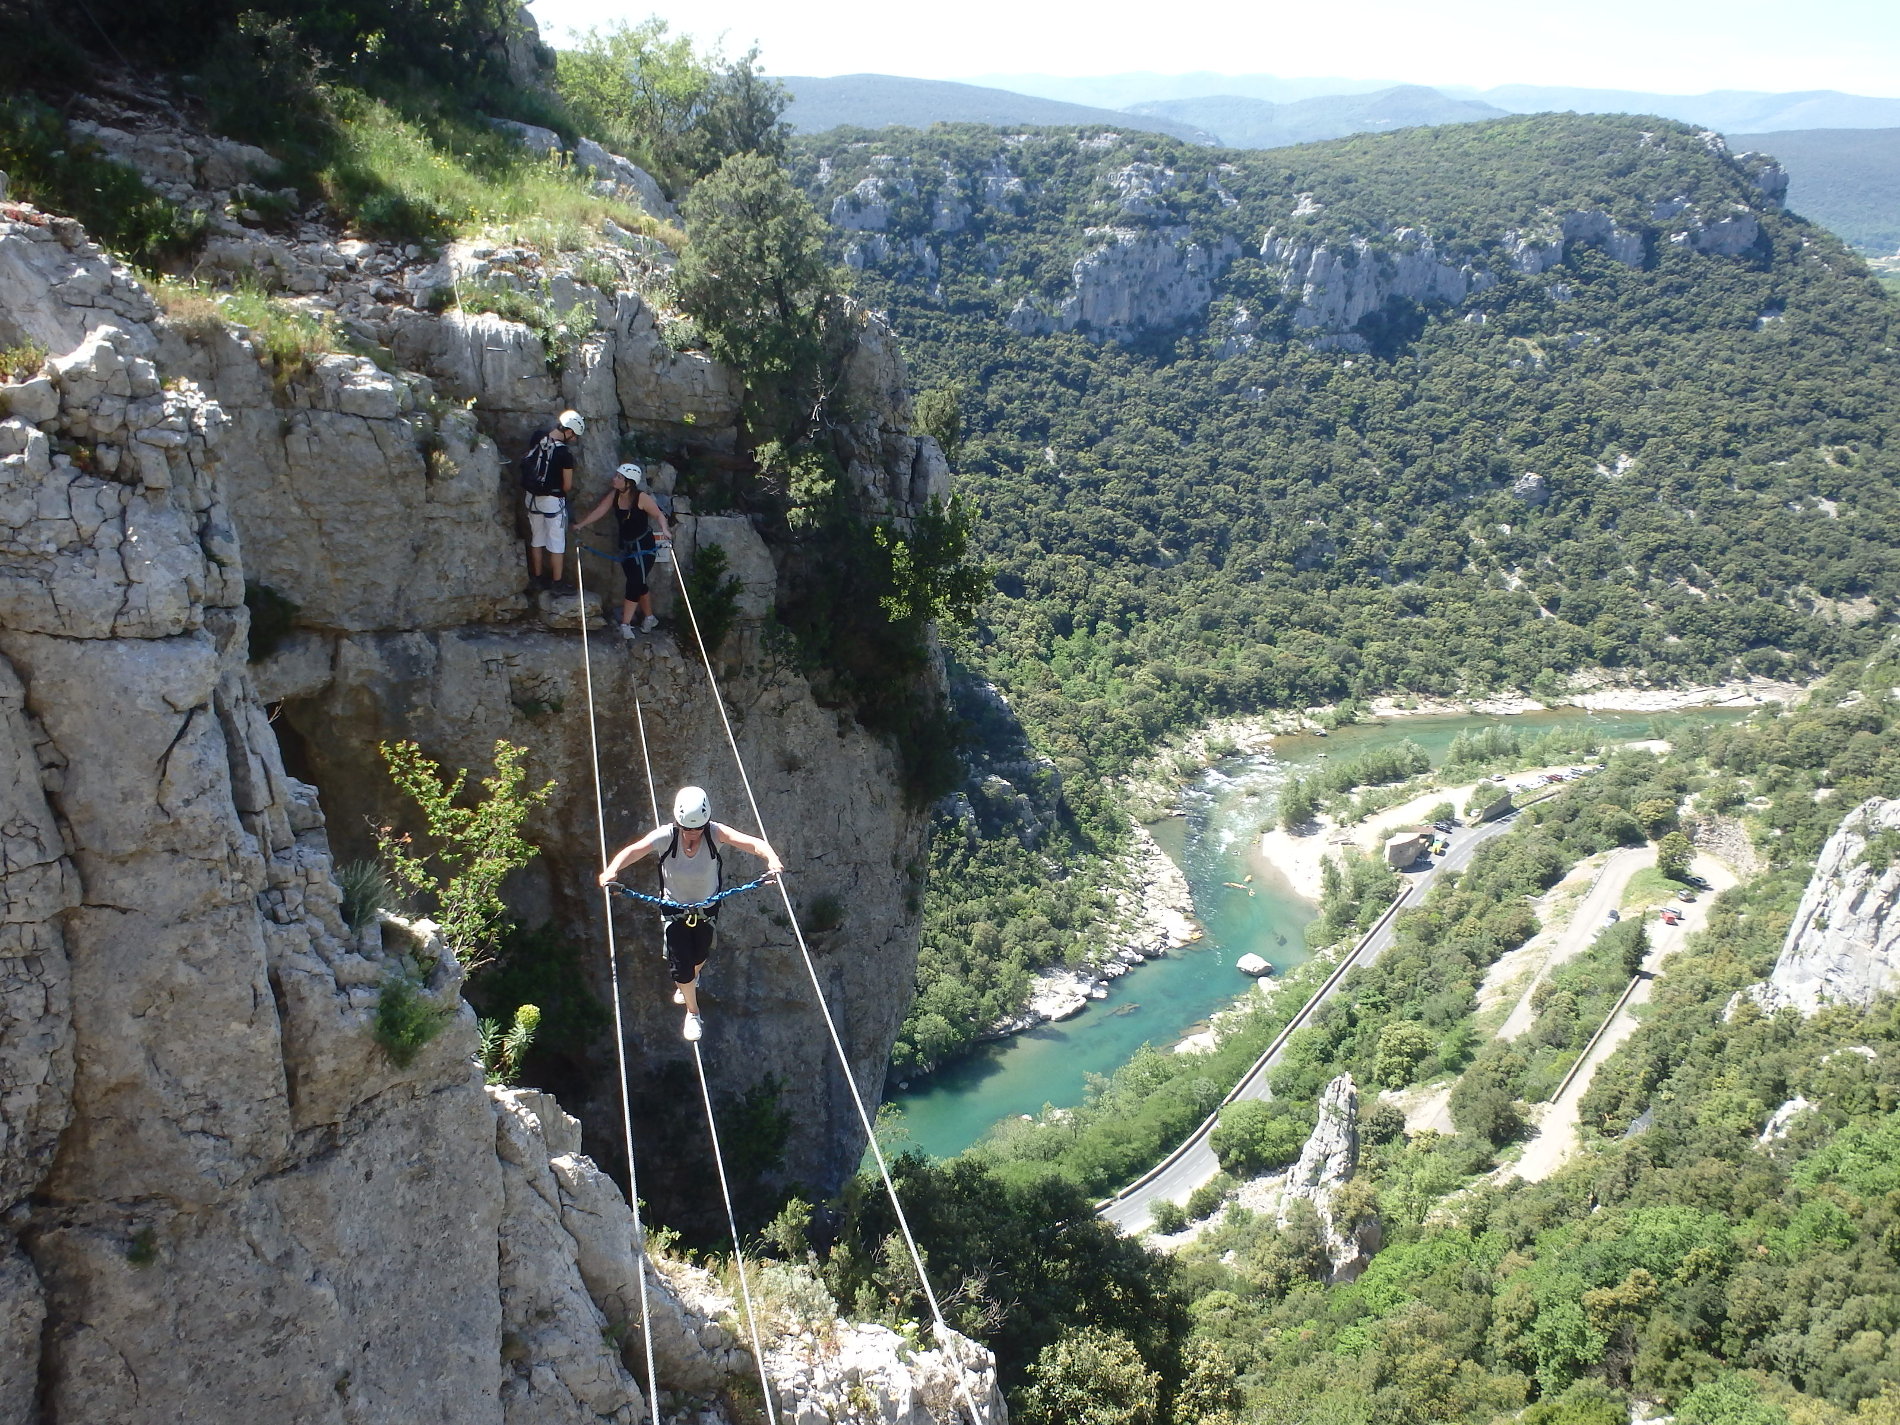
1153,914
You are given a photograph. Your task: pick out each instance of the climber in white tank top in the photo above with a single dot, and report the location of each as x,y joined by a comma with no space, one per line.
690,871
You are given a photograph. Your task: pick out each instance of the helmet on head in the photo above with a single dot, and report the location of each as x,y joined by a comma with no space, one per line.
571,420
692,808
633,475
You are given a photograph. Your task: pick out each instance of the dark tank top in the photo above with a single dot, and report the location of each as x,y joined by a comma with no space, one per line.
634,524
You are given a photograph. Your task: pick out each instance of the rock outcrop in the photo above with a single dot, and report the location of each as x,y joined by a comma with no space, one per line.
1327,1163
1844,944
220,1197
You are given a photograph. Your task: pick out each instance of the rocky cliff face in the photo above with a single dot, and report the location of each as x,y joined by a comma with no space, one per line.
1327,1163
219,1197
1844,945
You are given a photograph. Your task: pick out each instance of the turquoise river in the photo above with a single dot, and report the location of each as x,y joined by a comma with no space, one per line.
1215,843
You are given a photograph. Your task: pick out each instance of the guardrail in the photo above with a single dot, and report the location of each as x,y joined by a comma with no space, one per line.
1297,1022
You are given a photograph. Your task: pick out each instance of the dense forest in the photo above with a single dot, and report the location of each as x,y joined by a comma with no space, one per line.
1669,463
1684,1256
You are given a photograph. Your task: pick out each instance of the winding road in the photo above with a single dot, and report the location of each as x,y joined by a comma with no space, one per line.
1193,1163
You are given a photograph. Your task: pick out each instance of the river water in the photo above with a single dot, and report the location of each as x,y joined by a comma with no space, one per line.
1215,844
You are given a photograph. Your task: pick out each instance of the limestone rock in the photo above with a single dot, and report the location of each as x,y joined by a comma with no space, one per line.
537,140
1327,1163
628,181
1136,280
1531,488
1844,944
559,1362
22,1313
873,1372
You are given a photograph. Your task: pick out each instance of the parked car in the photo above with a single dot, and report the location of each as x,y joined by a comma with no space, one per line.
1671,916
1447,827
1685,894
1614,916
1697,882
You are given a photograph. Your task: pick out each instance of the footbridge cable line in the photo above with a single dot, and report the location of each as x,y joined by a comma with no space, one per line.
943,1331
620,1046
613,978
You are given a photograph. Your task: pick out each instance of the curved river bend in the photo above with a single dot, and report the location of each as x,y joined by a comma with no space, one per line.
1215,844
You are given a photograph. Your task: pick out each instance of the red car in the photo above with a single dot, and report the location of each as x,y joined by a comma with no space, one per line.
1672,917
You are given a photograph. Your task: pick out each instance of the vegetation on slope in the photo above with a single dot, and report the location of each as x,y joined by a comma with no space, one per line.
1677,1259
1219,518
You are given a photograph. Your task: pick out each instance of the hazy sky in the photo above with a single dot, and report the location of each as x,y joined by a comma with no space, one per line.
1661,46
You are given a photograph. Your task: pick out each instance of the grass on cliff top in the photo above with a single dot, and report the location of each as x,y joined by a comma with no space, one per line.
400,177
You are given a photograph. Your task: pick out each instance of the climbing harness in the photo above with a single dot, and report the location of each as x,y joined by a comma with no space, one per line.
620,1045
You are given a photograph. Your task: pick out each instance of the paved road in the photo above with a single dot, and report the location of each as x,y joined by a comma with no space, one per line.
1193,1162
1556,1136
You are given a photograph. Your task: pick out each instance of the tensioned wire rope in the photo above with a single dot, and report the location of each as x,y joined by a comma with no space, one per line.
944,1332
620,1043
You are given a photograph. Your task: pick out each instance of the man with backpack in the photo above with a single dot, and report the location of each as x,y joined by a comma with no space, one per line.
547,479
691,871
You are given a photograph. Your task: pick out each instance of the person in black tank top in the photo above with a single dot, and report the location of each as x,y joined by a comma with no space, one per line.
642,527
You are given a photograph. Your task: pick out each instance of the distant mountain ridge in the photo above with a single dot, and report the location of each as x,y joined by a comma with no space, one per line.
875,101
1726,109
1242,122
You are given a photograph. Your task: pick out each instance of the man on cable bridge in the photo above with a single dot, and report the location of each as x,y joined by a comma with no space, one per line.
691,876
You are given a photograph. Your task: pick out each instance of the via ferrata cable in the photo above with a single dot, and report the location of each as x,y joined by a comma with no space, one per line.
646,758
944,1334
613,977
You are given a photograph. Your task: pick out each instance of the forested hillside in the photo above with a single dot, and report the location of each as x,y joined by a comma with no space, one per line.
1299,482
1722,1246
1443,411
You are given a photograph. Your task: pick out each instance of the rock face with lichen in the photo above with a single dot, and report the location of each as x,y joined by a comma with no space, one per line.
220,1198
1844,944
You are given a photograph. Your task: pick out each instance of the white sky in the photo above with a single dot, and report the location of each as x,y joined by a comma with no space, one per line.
1659,46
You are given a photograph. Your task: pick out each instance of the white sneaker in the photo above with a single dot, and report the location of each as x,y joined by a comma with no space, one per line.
626,631
679,996
649,623
693,1029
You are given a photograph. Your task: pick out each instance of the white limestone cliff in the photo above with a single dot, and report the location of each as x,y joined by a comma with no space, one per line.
1844,944
1327,1163
220,1199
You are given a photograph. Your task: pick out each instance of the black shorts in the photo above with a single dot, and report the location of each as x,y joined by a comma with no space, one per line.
687,947
638,562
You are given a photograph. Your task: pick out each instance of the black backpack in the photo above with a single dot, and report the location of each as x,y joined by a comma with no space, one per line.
539,474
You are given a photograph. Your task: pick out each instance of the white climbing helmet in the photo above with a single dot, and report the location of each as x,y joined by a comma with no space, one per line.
572,420
692,808
633,475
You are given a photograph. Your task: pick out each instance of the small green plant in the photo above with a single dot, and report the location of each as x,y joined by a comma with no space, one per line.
561,332
366,889
142,1250
1169,1216
824,914
503,1051
19,362
286,337
714,595
472,848
406,1020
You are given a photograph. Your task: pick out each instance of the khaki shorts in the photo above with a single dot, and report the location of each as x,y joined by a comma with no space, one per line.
547,523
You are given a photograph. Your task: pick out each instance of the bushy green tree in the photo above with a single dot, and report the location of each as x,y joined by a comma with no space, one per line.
756,279
1253,1136
1673,855
1091,1377
680,111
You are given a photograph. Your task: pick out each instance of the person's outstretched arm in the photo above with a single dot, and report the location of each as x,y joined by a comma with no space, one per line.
595,513
633,851
757,845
